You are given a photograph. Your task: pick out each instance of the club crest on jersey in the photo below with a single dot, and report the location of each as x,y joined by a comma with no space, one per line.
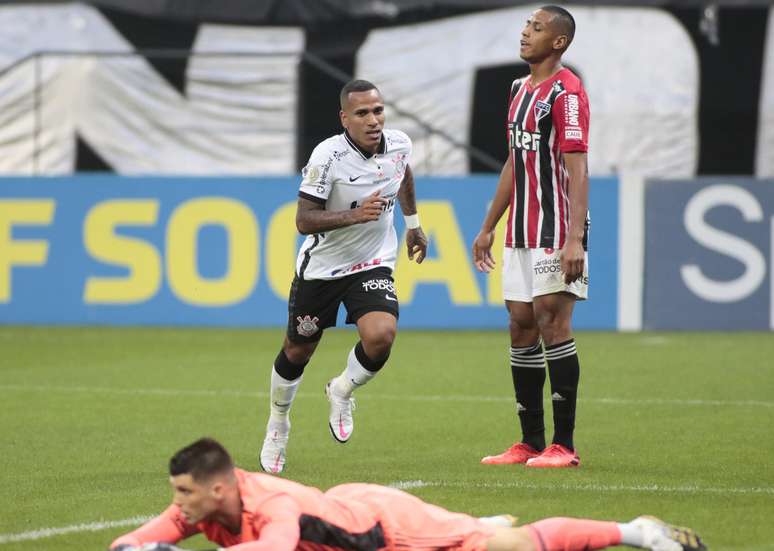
541,109
307,325
400,164
310,173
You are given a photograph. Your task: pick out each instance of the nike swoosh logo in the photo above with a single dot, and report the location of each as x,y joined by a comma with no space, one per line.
344,434
351,179
388,297
276,467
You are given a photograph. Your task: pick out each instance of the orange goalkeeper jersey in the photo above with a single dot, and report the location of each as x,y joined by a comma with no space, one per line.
281,515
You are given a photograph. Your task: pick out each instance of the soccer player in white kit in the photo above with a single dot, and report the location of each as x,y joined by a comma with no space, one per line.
345,208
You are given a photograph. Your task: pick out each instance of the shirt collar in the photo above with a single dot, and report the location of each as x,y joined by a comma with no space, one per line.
363,153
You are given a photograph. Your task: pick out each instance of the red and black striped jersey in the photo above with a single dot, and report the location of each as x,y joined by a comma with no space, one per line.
544,122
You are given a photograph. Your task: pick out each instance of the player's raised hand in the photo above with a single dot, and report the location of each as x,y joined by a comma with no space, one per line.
416,241
573,259
370,209
482,251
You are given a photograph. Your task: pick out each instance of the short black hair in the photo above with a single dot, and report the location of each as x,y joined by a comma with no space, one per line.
202,459
357,85
564,18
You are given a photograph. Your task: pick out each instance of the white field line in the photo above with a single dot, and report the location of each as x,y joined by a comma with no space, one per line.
616,488
418,484
72,529
377,396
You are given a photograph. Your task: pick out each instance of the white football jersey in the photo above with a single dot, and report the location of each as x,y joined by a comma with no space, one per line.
340,175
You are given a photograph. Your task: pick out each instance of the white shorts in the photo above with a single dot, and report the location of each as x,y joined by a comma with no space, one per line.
529,273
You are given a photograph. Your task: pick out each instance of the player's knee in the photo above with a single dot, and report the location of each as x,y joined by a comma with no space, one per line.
553,328
377,341
521,333
379,345
299,353
379,336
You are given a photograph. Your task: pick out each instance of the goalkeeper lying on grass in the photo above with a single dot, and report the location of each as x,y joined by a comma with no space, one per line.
245,511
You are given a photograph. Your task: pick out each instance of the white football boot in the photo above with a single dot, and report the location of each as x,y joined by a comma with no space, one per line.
340,420
274,446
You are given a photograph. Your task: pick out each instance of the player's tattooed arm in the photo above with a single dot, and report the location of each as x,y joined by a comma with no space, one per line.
416,241
311,217
406,196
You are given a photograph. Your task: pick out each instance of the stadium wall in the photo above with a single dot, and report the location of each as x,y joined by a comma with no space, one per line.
103,249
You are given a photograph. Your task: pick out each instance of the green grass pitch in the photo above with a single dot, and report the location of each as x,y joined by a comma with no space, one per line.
680,425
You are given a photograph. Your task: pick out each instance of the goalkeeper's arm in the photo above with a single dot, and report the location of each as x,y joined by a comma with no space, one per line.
168,527
151,547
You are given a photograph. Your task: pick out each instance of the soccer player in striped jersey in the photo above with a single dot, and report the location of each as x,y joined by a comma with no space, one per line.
544,184
247,511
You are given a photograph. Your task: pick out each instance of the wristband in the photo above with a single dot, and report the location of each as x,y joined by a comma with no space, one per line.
412,221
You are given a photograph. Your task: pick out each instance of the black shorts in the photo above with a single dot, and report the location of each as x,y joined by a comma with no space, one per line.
314,304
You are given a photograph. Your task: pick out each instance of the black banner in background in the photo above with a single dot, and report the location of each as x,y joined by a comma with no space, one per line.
729,99
730,71
311,13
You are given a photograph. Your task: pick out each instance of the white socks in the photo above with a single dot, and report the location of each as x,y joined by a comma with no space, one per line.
283,392
354,376
631,535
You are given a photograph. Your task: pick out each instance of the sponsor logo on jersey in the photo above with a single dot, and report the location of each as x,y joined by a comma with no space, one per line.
307,325
357,267
523,139
573,134
351,179
550,269
325,170
396,139
541,109
380,284
572,110
553,266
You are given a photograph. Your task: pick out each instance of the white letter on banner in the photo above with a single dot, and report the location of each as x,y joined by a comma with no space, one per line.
723,243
